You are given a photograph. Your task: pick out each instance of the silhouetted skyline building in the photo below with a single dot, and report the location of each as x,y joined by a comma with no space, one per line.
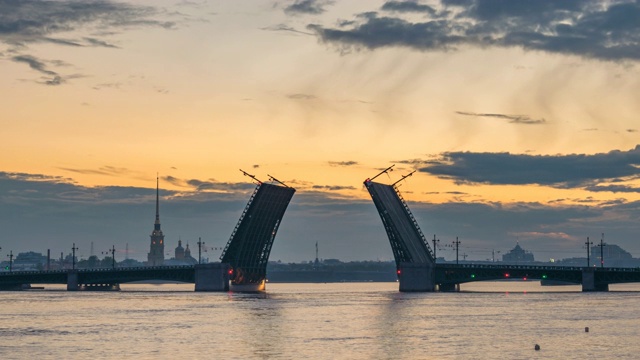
518,254
156,249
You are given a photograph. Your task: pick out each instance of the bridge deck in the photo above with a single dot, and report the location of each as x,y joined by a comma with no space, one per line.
248,249
407,241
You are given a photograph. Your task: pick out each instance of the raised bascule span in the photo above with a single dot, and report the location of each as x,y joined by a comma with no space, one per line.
414,259
248,248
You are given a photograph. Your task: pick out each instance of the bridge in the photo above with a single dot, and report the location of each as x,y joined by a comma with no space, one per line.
244,259
206,277
417,269
248,248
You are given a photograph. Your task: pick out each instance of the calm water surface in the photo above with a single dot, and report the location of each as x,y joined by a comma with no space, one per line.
322,321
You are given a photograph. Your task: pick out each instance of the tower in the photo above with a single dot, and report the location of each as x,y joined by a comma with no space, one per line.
156,250
179,251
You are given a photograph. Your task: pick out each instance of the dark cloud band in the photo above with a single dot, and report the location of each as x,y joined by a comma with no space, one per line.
590,28
562,171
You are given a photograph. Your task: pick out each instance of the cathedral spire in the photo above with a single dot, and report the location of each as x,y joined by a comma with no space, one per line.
156,250
157,223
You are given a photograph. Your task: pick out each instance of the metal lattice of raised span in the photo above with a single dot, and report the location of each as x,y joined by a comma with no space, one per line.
249,246
407,241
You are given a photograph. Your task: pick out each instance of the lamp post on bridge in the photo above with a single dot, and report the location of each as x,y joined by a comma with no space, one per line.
435,242
602,245
112,251
10,256
113,256
493,254
200,243
457,244
73,256
588,243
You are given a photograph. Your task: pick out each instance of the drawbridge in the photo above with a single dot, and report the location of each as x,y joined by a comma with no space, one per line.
411,251
248,248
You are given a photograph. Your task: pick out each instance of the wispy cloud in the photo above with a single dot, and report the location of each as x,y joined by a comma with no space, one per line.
343,163
314,7
27,22
408,6
301,96
513,119
332,187
105,170
285,28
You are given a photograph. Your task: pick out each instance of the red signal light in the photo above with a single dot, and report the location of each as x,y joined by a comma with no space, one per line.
506,275
230,271
399,272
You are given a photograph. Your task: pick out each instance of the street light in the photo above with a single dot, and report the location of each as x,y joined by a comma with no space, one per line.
435,242
200,243
73,256
602,245
10,256
493,254
112,251
588,244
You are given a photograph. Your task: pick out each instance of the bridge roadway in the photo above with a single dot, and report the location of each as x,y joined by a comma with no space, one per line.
207,277
449,276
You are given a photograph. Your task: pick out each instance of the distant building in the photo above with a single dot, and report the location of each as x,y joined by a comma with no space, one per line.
29,261
182,256
156,250
613,256
518,255
179,253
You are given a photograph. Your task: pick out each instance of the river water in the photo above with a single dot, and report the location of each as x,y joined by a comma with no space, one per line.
493,320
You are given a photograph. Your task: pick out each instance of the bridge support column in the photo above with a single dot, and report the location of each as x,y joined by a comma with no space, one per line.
589,281
416,277
72,280
212,277
449,287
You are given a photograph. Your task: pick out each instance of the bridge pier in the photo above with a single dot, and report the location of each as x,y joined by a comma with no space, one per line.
72,280
212,277
589,281
416,277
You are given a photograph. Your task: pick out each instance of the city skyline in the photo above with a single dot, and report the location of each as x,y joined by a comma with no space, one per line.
520,119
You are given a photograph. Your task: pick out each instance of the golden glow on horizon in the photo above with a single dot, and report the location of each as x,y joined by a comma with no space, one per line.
197,106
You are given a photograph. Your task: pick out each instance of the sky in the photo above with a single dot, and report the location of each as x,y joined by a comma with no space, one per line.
520,118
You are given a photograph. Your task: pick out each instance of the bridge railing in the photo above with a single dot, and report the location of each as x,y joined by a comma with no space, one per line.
534,267
64,271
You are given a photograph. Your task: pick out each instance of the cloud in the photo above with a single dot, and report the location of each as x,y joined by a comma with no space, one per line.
105,170
301,97
314,7
332,187
286,28
53,78
27,22
613,188
408,6
513,119
343,163
563,171
590,29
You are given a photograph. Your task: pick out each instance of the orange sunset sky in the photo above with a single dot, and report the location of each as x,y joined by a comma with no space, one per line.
521,119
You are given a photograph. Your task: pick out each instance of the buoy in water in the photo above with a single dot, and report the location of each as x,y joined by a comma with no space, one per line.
537,347
586,329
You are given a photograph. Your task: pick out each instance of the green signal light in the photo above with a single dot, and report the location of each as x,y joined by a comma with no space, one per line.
544,276
473,276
